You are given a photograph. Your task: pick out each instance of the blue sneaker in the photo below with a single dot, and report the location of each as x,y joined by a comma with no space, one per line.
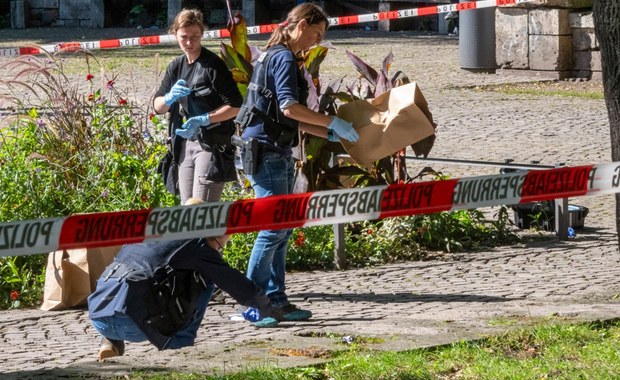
291,312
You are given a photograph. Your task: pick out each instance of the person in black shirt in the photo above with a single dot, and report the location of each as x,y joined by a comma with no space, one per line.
202,97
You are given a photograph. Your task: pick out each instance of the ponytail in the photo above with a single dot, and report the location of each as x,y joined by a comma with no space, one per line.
305,11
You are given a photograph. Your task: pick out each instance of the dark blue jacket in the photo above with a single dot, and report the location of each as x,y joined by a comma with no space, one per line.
126,286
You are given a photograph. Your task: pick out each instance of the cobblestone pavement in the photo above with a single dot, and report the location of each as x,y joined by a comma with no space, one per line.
412,304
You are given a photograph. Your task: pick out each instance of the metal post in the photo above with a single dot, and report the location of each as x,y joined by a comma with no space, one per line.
340,257
561,218
384,25
174,7
19,14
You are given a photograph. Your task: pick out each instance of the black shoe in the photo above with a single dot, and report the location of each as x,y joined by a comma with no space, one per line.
291,312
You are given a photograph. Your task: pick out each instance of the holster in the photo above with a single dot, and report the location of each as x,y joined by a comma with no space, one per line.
249,153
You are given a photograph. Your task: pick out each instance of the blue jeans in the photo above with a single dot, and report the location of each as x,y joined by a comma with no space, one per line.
121,327
267,264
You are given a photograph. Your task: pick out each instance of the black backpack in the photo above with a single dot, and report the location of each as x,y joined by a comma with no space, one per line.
163,300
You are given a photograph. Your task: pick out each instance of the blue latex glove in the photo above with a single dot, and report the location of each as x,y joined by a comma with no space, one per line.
252,314
189,128
332,136
177,91
343,129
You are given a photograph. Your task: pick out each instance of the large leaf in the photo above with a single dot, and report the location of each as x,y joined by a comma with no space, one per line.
387,62
344,97
234,61
240,76
313,146
313,59
313,92
363,68
327,98
400,79
383,83
239,36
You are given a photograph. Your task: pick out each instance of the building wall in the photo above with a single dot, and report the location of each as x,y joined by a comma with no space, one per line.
552,37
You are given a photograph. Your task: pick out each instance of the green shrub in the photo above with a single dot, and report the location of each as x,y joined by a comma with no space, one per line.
70,147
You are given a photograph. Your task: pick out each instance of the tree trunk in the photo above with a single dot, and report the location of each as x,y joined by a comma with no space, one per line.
606,15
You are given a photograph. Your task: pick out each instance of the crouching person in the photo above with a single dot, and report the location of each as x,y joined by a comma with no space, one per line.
160,291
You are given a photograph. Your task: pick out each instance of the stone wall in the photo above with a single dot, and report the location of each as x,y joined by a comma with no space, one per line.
73,13
91,13
551,38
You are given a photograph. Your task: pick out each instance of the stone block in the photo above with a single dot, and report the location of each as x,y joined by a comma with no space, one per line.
174,7
569,4
257,12
550,52
43,16
74,10
383,25
584,39
97,14
549,21
217,17
581,20
511,38
72,23
43,3
587,60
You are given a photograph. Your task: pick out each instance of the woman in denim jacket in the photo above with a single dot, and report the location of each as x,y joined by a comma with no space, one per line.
275,109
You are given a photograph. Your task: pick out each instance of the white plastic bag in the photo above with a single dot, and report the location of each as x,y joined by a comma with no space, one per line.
300,183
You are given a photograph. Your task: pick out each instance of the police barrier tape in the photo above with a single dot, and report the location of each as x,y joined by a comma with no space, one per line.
303,210
260,29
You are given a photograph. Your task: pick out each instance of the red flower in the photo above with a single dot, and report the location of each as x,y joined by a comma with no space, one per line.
110,84
369,231
89,77
300,239
14,295
151,117
91,97
122,101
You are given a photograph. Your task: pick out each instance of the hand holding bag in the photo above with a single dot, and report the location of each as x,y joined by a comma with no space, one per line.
389,123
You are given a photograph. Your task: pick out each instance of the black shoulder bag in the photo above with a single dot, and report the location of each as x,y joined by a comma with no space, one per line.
169,165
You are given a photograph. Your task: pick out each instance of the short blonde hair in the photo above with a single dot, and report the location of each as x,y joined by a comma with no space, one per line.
186,18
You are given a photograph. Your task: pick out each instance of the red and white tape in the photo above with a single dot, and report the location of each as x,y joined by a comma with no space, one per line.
260,29
302,210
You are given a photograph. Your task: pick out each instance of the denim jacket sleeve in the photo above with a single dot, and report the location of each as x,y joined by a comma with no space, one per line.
283,78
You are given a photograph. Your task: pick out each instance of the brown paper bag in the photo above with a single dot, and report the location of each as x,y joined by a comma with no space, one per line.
71,275
388,123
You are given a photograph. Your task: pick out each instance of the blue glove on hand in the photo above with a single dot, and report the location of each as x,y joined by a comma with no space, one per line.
189,128
332,136
343,129
179,90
